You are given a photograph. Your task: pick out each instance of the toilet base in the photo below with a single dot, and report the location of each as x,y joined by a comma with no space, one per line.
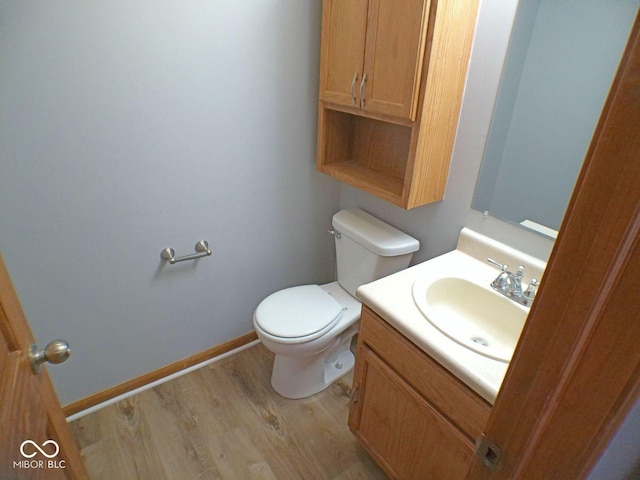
300,377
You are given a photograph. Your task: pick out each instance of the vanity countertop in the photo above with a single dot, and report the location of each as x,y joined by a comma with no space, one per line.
391,298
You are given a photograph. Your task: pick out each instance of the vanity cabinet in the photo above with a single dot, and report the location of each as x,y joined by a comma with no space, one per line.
392,74
414,417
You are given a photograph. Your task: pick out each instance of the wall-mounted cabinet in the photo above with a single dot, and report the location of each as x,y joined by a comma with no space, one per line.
392,74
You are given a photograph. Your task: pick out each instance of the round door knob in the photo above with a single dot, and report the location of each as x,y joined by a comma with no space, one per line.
55,352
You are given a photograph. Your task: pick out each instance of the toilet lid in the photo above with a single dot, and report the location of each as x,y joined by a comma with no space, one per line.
297,312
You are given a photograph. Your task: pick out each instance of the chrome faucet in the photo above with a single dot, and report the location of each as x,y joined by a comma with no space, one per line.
510,284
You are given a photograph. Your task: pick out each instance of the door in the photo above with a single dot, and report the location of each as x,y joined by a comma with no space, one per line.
407,436
344,26
35,441
576,371
394,54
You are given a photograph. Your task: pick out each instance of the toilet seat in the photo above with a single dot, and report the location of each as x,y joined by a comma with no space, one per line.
305,311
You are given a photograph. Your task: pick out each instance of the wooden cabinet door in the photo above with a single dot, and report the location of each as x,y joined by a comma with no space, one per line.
35,440
406,436
344,26
394,54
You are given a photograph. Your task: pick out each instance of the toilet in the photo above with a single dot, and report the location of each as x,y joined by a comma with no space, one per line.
309,328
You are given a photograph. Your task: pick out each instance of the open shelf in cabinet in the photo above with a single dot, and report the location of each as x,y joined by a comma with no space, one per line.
364,152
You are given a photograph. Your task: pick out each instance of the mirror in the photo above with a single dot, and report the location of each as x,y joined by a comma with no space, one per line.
561,60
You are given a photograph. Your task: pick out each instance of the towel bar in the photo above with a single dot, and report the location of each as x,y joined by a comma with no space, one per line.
202,250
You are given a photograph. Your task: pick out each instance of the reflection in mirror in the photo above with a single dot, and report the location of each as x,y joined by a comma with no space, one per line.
561,60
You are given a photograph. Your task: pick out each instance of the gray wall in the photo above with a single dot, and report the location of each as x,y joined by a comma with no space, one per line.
621,459
127,127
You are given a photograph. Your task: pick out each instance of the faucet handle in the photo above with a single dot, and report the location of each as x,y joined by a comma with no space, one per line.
520,271
502,266
529,294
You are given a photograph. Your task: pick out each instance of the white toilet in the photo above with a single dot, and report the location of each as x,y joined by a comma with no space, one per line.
310,327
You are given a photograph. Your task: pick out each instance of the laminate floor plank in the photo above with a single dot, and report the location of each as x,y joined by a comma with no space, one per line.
129,448
178,439
224,421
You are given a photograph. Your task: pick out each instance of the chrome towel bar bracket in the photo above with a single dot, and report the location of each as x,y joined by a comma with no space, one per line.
202,250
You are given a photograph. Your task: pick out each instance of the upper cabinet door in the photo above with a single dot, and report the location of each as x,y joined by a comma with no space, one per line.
395,45
344,26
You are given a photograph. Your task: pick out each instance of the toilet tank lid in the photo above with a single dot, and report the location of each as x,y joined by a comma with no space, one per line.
374,234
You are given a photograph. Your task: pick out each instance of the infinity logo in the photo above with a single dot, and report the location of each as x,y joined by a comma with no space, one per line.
37,447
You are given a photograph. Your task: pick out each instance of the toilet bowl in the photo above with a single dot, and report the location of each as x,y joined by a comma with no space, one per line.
316,352
309,328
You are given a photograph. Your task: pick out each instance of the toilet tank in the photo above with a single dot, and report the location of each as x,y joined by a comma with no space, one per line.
368,249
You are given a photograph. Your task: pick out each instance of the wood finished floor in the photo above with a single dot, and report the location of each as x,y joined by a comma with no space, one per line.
224,421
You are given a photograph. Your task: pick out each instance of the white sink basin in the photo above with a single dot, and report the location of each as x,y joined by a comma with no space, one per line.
444,303
471,314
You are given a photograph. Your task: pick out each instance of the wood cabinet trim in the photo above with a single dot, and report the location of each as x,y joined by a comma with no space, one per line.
443,94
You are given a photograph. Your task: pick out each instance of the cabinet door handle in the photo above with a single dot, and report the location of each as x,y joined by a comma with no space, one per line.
364,79
354,393
353,86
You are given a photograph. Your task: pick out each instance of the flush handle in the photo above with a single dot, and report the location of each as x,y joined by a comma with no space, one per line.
55,352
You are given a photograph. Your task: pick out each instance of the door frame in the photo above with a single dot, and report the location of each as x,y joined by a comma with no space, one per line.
575,374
